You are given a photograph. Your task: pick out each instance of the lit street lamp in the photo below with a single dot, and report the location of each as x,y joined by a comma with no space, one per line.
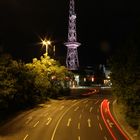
46,43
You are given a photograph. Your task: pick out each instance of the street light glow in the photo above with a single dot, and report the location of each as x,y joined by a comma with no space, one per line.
46,43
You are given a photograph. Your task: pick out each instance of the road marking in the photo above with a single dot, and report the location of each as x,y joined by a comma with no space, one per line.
105,137
48,105
78,125
96,102
90,109
76,108
69,121
25,137
85,102
36,124
100,127
74,101
58,122
61,107
98,117
79,138
80,116
89,123
110,123
49,120
29,119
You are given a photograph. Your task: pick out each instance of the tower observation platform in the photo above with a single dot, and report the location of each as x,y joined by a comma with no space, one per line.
72,61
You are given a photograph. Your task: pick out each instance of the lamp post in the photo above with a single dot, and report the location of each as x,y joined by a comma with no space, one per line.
46,43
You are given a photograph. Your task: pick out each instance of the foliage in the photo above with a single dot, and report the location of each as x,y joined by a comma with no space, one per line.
24,85
50,76
125,77
7,82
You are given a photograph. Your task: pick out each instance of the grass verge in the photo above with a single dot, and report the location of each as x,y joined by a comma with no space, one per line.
118,110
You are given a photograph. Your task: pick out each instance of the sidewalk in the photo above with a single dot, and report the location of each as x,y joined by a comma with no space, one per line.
119,116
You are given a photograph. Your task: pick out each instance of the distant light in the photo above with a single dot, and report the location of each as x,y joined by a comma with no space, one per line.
53,77
46,42
108,77
54,48
43,42
77,77
85,79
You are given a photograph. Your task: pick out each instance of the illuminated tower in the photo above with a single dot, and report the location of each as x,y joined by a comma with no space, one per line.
72,61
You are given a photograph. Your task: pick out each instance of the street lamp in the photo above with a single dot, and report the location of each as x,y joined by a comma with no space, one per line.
46,43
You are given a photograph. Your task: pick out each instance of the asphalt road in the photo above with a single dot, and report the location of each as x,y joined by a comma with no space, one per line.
68,119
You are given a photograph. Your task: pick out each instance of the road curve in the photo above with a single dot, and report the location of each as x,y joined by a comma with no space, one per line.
69,119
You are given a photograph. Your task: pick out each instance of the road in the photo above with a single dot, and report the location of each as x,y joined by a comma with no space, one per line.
68,119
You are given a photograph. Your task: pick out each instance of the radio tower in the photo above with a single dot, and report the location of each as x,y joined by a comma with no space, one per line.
72,61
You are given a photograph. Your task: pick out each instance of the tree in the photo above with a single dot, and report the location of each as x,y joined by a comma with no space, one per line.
50,76
125,77
7,82
25,85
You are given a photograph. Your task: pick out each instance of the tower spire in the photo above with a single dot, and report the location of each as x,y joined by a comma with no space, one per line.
72,61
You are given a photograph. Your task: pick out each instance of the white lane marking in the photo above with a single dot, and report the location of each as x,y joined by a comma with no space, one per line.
69,121
96,102
58,122
36,124
78,125
29,119
105,137
49,120
98,117
85,102
110,123
74,101
48,105
90,109
79,138
80,116
61,107
25,137
100,126
89,123
76,108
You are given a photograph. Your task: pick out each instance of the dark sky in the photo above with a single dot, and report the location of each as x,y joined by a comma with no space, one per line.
101,24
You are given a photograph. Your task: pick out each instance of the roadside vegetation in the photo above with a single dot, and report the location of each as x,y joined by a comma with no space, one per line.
26,85
125,77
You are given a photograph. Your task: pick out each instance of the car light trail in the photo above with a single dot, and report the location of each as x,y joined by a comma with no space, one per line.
110,121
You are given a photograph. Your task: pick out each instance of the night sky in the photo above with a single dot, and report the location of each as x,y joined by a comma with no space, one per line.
101,25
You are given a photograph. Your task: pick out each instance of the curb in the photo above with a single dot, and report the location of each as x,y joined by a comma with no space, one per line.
123,127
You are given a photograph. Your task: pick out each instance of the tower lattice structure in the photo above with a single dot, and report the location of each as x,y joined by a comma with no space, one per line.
72,61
